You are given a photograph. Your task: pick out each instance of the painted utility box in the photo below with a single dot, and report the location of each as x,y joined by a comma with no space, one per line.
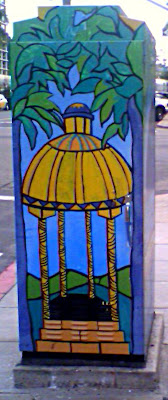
83,143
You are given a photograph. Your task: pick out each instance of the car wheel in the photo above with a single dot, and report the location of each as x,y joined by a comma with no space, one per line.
159,113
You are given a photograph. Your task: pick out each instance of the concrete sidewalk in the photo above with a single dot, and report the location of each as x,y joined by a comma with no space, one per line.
10,355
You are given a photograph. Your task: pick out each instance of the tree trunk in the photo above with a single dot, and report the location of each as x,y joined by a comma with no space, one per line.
137,239
89,255
111,257
44,267
62,256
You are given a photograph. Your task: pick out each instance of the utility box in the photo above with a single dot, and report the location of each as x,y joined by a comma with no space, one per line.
83,82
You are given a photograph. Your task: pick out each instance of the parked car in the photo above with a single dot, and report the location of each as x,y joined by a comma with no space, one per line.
161,105
3,103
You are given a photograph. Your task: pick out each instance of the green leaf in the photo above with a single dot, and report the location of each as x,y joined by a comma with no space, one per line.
34,115
20,92
81,61
58,118
41,78
42,36
61,27
65,63
59,72
100,100
106,111
105,23
54,28
109,11
88,67
61,81
102,86
28,37
105,63
30,130
40,99
122,68
91,47
49,116
130,86
52,62
25,75
36,54
136,57
111,131
85,86
95,24
120,108
19,107
71,50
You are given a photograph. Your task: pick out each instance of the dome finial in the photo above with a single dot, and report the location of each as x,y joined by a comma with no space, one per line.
77,119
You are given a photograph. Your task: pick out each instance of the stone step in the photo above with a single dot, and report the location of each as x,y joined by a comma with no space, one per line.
82,348
82,335
82,325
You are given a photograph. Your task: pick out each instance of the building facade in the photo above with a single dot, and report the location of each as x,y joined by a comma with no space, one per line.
3,40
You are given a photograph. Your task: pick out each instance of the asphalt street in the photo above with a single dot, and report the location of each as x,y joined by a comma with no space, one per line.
7,242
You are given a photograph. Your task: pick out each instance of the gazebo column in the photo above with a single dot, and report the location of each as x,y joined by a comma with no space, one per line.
111,259
44,267
43,256
91,293
62,255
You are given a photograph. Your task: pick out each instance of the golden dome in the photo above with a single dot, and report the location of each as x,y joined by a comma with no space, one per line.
73,172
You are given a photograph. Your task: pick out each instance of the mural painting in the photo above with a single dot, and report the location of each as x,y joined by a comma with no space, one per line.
77,89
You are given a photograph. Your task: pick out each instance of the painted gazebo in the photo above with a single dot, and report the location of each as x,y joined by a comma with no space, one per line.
73,173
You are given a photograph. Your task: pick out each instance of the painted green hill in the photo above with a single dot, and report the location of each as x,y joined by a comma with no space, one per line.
124,281
75,279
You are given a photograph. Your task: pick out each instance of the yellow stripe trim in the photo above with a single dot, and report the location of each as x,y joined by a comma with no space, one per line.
79,175
65,191
40,180
87,126
54,175
70,125
79,125
117,173
94,185
125,168
106,174
32,167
